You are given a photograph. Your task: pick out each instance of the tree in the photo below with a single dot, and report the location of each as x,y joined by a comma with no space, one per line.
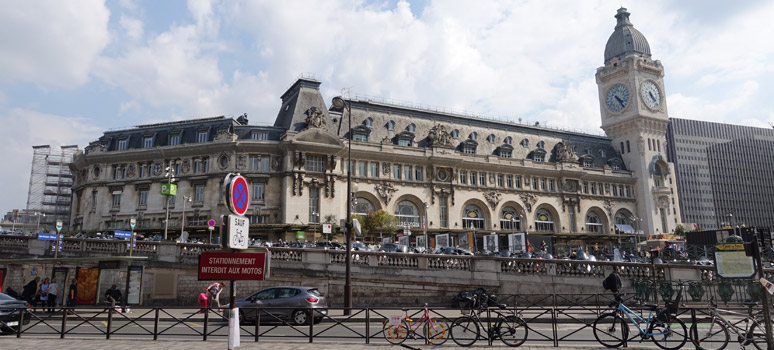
680,230
378,221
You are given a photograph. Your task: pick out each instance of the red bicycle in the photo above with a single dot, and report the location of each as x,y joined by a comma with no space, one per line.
397,329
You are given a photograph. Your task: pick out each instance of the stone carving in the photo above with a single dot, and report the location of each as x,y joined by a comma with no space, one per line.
529,200
157,166
315,182
186,166
385,168
564,153
275,163
300,160
663,202
242,161
332,163
439,137
641,144
315,118
493,198
130,171
571,186
385,190
609,206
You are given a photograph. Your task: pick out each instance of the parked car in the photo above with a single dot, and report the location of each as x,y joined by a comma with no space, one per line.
9,313
393,248
455,251
285,303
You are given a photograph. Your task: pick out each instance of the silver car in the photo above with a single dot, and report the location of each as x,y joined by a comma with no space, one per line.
284,303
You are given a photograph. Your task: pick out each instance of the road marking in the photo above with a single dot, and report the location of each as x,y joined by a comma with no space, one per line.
104,323
194,324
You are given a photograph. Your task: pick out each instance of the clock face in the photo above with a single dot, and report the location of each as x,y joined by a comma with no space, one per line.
617,98
650,94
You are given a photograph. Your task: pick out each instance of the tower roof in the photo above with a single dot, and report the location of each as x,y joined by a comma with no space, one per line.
625,40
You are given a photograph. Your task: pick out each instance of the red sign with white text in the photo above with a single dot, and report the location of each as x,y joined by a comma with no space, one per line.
232,266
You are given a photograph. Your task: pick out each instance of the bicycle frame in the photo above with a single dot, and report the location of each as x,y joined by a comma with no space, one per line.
748,320
623,309
425,318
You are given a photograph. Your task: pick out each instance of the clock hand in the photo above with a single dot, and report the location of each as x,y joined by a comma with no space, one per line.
620,101
651,96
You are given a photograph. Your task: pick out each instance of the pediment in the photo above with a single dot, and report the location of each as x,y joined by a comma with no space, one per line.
318,136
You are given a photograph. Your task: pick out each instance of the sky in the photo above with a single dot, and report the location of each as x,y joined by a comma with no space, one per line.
70,70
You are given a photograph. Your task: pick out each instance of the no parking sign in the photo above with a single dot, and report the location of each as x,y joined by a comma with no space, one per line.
236,194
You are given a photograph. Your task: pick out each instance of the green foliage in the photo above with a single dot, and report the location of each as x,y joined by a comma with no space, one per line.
378,221
680,230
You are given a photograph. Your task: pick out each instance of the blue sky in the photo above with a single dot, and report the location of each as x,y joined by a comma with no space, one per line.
70,70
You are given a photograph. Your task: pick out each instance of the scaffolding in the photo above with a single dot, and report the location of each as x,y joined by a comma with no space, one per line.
50,194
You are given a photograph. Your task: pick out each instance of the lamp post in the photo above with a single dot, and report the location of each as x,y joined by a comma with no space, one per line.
182,222
732,220
340,104
39,214
475,244
424,228
170,175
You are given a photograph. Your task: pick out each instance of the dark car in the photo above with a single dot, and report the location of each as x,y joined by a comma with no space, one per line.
9,313
284,303
393,248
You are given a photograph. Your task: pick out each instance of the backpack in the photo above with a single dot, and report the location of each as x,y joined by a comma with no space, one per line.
612,282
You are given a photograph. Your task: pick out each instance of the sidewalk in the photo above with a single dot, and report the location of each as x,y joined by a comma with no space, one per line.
76,343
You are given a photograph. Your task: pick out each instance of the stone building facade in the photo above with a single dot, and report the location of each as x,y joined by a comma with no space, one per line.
461,172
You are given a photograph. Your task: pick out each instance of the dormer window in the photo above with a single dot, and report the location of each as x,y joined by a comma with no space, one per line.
587,161
541,145
368,122
490,138
147,142
411,128
405,138
539,155
390,125
201,136
455,134
174,139
469,146
602,153
473,136
123,144
525,143
361,133
508,140
259,135
505,151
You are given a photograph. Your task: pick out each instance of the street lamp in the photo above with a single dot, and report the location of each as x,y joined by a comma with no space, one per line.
475,244
39,214
170,175
340,104
424,228
182,223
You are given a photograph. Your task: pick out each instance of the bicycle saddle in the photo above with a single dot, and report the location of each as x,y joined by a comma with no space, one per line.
749,303
405,309
651,306
502,306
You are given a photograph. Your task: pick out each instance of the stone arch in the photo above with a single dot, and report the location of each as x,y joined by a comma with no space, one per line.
371,198
484,209
522,216
418,204
604,221
554,216
624,216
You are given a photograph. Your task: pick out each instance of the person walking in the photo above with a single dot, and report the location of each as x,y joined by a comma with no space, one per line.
29,291
53,293
213,292
71,295
43,291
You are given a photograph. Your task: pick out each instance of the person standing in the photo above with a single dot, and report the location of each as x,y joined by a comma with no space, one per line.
53,293
71,295
28,292
43,291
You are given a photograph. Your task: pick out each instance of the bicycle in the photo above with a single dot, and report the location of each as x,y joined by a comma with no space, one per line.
666,331
396,331
716,336
509,328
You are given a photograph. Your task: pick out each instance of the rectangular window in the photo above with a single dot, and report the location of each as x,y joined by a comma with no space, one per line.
174,139
517,180
364,138
201,137
628,147
177,167
628,192
314,204
123,144
260,135
147,142
142,198
374,169
535,183
361,169
444,211
600,190
407,172
265,163
473,178
406,143
509,181
396,171
142,169
463,177
205,165
499,180
585,187
94,201
658,144
482,179
593,189
199,193
116,200
542,184
551,186
255,162
315,163
620,190
615,191
258,190
418,173
622,148
197,166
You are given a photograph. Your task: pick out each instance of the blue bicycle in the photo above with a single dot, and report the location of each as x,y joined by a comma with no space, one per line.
667,331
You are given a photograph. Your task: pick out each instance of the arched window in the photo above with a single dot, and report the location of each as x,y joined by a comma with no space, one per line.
368,122
363,207
658,176
407,214
621,218
455,134
525,143
473,136
543,221
593,223
491,138
411,127
510,220
390,125
472,217
508,140
541,145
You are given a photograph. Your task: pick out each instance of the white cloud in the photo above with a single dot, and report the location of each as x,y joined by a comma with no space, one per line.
132,27
22,129
52,43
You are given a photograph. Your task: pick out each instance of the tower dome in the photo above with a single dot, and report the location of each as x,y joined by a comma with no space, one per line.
625,40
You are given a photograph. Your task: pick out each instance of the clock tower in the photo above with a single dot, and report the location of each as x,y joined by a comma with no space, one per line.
634,114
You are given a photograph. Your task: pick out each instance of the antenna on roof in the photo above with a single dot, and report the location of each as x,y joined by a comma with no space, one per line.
772,125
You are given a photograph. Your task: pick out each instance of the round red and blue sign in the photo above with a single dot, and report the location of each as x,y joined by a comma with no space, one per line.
211,223
237,194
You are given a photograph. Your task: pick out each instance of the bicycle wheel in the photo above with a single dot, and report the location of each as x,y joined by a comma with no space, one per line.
611,330
464,331
758,335
395,334
436,332
709,336
669,335
512,330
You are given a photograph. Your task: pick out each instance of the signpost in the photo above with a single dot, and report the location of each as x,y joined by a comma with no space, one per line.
58,237
211,227
132,223
232,266
47,236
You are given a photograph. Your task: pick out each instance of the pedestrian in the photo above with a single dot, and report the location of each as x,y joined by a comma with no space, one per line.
203,301
113,295
29,291
213,292
53,292
71,295
43,291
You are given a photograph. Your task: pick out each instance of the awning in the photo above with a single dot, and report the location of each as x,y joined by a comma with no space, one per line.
625,228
